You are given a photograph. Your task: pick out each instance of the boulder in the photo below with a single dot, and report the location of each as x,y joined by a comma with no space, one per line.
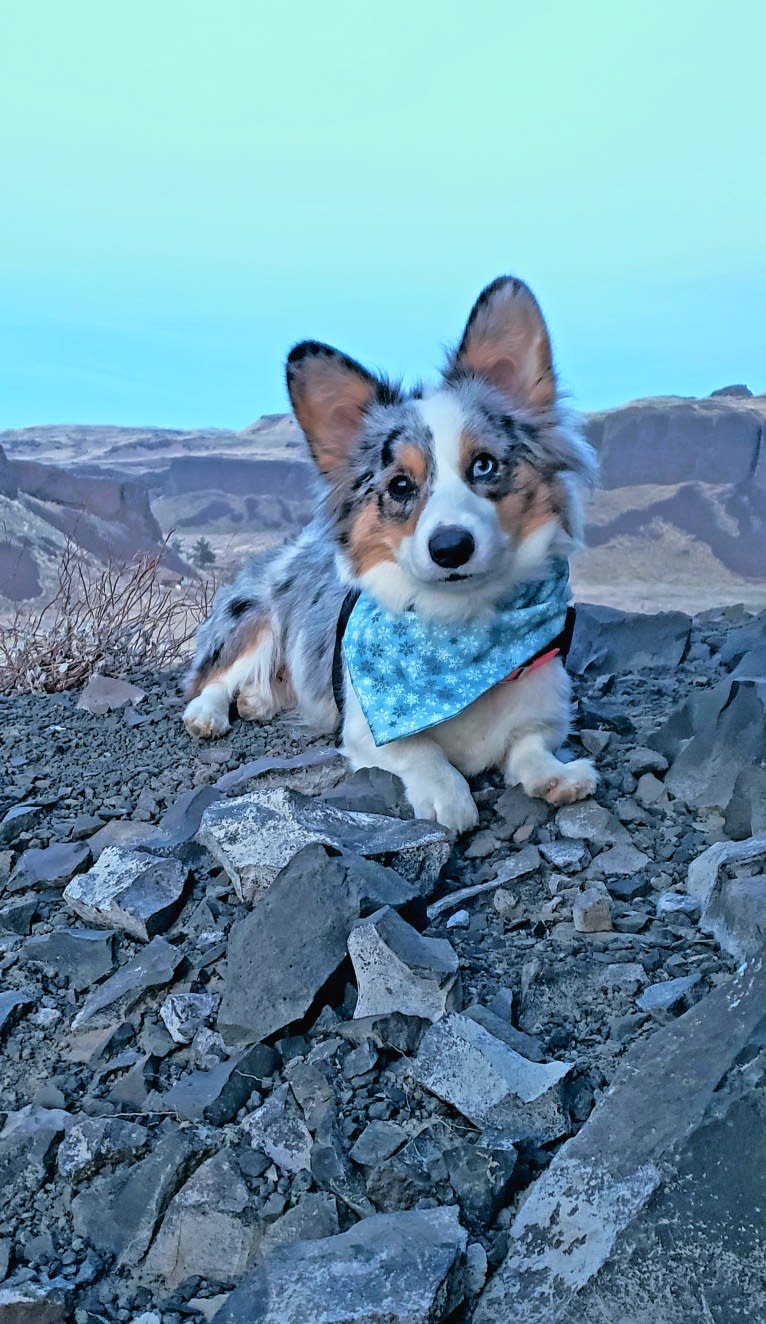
607,641
129,890
209,1230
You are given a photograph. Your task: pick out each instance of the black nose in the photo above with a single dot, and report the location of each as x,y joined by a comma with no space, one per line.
451,546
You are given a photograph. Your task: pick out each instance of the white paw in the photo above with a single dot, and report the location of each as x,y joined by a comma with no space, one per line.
568,782
447,799
252,707
206,719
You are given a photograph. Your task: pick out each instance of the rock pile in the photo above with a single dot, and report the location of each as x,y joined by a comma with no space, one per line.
274,1051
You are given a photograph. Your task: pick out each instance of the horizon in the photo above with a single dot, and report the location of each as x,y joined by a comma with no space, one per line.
190,191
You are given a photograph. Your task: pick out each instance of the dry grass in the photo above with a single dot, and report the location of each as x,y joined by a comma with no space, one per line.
114,619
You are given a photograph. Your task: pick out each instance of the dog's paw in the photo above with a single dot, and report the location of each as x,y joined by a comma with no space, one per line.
205,719
447,800
569,782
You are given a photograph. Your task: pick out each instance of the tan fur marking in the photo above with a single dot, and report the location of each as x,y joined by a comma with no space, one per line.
532,502
412,459
245,639
373,539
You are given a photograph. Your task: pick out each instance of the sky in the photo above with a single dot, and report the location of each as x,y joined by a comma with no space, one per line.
188,187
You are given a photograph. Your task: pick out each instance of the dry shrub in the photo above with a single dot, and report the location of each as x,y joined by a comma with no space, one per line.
116,619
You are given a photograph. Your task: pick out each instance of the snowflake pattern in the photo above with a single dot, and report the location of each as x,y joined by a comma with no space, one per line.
410,674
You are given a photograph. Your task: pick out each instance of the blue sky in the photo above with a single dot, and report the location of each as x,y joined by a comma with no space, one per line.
189,186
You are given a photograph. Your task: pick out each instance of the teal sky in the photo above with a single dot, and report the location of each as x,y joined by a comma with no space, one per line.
188,188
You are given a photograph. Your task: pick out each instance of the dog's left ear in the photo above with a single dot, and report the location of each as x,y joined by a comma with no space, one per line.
506,343
330,394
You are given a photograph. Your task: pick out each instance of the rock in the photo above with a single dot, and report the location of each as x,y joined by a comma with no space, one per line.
402,1034
480,1174
103,694
184,1013
399,970
278,1129
28,1143
723,728
564,854
592,911
19,819
209,1230
609,1190
746,811
371,791
415,1172
476,1266
733,910
217,1094
489,1083
624,888
118,1213
519,865
129,890
256,835
667,995
13,1005
403,1268
501,1028
281,954
52,866
606,640
739,390
81,956
622,859
152,967
674,903
313,1217
180,822
378,1141
641,759
588,821
17,916
505,903
28,1303
623,974
460,920
92,1141
649,789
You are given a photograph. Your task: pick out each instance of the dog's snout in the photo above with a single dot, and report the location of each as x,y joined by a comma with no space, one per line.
451,546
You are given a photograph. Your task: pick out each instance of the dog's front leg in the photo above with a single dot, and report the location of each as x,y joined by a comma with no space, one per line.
435,789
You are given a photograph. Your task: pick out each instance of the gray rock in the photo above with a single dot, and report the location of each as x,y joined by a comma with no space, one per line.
460,920
217,1094
641,759
667,995
480,1174
28,1303
371,791
256,835
725,728
649,789
13,1004
519,865
623,974
489,1083
209,1230
589,821
103,694
378,1141
399,970
313,1217
564,854
621,859
184,1014
92,1141
501,1028
403,1268
81,956
746,811
592,911
119,1212
625,888
129,890
583,1215
278,1129
610,641
152,967
180,822
733,910
52,865
29,1140
17,916
281,954
19,819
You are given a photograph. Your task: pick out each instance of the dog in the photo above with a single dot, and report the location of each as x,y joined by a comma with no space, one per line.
424,610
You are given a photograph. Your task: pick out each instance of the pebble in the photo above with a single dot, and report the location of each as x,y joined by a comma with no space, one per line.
592,911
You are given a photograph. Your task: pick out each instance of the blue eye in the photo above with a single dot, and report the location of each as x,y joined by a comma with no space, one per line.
484,466
401,488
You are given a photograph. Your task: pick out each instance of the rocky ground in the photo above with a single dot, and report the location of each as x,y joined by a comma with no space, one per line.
263,1061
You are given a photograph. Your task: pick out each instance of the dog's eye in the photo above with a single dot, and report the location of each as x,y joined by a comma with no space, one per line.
484,466
401,488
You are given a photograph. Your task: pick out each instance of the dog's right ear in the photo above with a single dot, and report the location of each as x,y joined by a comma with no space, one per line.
330,394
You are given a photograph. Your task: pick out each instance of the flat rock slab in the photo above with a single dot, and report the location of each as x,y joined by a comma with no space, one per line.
14,1003
81,956
152,967
491,1084
103,694
277,1128
50,866
281,954
607,641
216,1095
723,729
603,1179
732,909
403,1268
256,835
397,969
207,1231
30,1304
129,890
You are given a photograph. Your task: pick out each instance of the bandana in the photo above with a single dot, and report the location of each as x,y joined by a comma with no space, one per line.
409,674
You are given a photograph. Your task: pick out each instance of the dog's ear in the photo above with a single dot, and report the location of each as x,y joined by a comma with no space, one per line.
330,394
506,343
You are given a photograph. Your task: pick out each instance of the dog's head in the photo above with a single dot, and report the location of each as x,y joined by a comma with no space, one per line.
443,500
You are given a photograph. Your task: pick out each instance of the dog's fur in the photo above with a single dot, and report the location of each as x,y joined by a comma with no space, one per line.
490,452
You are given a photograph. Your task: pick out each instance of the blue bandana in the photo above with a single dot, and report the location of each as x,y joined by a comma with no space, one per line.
409,674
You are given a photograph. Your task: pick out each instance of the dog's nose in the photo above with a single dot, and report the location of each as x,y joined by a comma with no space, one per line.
451,546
